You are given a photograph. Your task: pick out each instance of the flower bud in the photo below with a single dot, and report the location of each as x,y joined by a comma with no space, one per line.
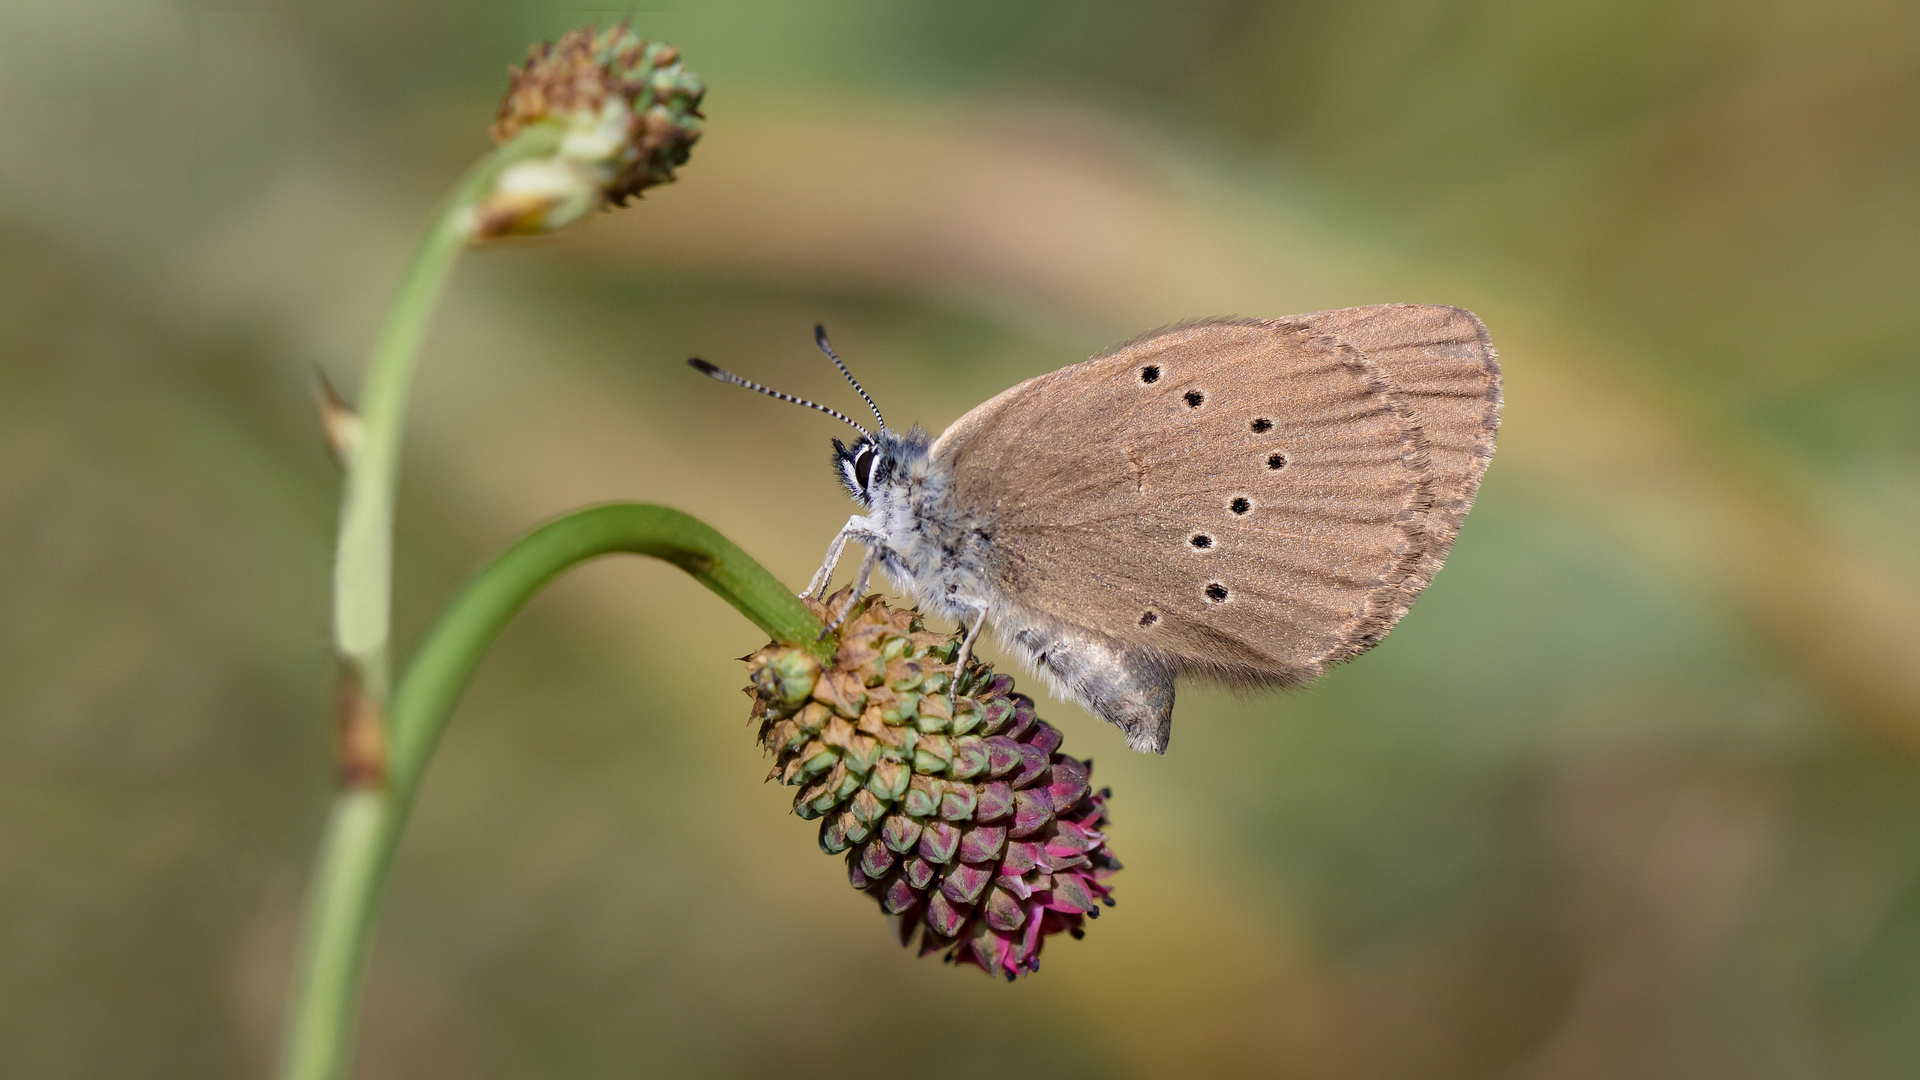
628,114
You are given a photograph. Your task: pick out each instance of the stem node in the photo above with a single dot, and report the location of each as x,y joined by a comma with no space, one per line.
360,736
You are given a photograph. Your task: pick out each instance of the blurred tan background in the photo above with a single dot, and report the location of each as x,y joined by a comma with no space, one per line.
1633,792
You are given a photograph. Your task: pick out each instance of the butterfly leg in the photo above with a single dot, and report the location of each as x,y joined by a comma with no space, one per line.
856,528
860,581
960,660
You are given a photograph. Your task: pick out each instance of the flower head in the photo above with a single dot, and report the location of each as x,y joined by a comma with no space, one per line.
629,114
963,820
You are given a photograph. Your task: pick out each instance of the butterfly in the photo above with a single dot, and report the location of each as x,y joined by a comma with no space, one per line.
1242,500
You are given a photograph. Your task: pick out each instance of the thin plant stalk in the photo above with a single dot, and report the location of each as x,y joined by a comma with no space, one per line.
366,824
363,566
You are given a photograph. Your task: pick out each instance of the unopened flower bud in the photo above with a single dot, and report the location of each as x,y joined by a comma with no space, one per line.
628,114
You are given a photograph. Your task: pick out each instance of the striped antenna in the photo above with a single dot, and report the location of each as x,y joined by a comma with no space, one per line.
820,339
729,377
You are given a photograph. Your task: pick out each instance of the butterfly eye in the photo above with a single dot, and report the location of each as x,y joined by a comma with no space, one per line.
863,467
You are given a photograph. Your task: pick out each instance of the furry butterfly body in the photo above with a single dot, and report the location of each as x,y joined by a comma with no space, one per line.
1243,500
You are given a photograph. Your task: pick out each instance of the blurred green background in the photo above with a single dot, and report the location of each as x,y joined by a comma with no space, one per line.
1633,792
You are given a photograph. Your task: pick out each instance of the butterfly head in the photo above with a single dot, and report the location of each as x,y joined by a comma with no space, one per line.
858,466
870,465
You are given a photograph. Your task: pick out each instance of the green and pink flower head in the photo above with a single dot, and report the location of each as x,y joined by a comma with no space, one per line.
955,810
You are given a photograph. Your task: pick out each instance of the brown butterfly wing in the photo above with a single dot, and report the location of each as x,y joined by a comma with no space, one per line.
1111,493
1441,360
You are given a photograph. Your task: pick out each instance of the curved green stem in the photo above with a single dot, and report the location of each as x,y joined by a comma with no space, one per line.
363,561
365,825
445,662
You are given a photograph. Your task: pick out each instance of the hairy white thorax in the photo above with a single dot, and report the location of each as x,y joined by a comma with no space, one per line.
927,548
